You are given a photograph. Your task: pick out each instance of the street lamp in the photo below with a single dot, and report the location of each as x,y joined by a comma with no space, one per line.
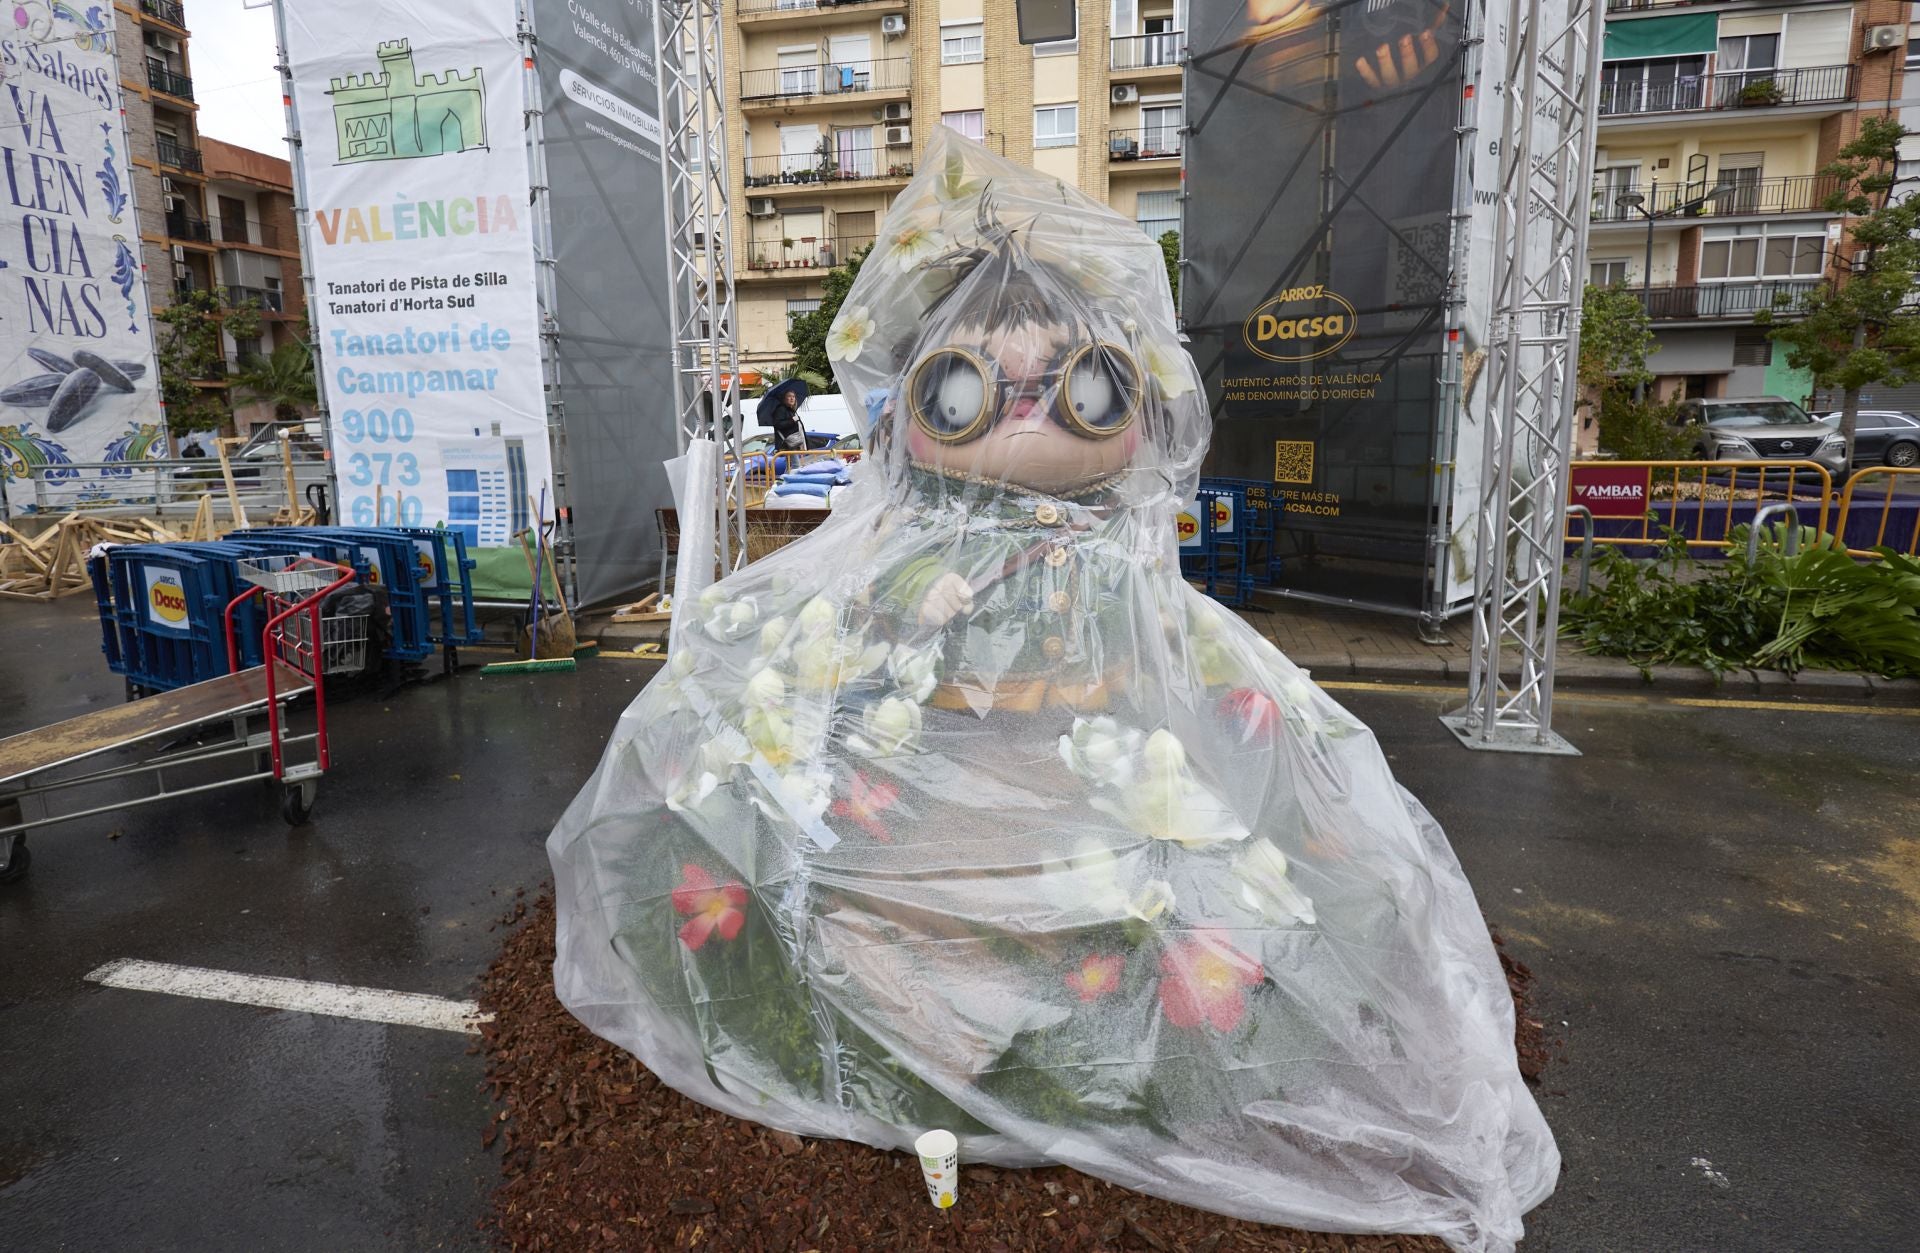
1634,202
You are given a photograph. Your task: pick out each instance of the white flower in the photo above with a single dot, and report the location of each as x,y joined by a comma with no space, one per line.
1100,750
1168,367
888,728
712,596
765,690
1165,753
817,617
914,245
829,661
1154,898
1264,886
850,332
1160,798
1296,693
680,662
916,671
729,619
799,795
693,789
773,638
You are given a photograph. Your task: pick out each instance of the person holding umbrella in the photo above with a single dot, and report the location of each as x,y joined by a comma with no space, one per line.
780,410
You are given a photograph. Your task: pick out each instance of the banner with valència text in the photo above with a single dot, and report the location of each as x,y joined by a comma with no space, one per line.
421,244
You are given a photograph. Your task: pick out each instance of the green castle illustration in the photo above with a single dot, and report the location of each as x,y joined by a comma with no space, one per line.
400,113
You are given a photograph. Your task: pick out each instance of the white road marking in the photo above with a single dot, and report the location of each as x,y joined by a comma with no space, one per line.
338,1000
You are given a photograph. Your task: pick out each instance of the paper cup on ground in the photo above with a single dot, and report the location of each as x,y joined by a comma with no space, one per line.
940,1165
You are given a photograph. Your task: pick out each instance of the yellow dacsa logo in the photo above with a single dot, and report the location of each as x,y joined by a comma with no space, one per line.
1187,526
169,600
1300,324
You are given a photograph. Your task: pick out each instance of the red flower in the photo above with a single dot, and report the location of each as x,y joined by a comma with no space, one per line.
1205,980
707,907
867,802
1251,712
1097,976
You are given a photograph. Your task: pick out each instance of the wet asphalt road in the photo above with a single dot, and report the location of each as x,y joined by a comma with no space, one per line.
1722,906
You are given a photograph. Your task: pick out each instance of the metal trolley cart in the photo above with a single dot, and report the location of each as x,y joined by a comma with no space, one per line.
183,735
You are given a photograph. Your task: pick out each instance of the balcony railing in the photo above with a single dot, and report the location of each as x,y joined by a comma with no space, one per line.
172,154
829,78
844,165
258,234
179,226
1147,144
1635,6
166,11
1799,193
1145,52
798,6
269,301
1735,300
803,254
1745,89
160,78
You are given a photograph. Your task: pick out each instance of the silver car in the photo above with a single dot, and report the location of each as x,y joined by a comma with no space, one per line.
1883,437
1763,428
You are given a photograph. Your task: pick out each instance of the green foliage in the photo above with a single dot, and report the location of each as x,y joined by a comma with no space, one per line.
1640,430
1862,332
1616,337
190,352
284,380
1170,248
1818,609
807,332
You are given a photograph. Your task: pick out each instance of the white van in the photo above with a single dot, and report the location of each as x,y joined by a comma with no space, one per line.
827,415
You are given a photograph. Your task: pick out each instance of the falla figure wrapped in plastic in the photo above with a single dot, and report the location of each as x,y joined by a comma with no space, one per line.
966,812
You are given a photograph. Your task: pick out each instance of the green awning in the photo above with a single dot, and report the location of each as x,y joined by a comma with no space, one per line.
1680,35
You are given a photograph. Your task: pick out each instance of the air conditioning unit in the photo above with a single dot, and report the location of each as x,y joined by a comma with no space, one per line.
1883,38
179,253
173,204
165,43
893,24
166,184
899,136
182,272
760,206
1125,93
898,111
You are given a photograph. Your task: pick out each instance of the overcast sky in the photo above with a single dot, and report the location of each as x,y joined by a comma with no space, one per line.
233,77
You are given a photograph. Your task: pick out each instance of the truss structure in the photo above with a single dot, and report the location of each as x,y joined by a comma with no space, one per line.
689,52
1551,65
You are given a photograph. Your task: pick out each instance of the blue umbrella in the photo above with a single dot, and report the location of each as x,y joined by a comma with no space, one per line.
775,400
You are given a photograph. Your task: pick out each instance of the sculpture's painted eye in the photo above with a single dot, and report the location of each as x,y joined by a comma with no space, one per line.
1102,390
950,394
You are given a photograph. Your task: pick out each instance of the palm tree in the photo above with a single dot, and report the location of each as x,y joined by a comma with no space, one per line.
283,380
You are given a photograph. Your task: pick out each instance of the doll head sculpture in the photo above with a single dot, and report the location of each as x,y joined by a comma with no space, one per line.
1007,332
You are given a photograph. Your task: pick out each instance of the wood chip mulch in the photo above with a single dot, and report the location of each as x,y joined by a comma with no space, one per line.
598,1154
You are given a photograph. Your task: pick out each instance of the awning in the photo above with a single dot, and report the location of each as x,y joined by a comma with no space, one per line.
1683,34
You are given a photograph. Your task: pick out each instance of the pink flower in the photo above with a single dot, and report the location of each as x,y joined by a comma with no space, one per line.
1097,976
708,907
866,803
1205,980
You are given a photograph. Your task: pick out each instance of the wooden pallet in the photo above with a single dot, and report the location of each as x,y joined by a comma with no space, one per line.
53,564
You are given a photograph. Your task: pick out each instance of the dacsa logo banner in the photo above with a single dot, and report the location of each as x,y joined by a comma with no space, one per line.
168,600
1300,324
1187,527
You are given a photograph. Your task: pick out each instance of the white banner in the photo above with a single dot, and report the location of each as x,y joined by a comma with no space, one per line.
77,379
421,243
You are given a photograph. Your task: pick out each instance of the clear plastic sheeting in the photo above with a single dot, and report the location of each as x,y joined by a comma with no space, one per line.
964,811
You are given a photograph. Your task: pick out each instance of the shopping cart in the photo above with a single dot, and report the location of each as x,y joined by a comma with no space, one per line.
185,733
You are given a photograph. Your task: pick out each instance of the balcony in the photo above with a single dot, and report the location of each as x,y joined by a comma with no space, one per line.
1725,302
1746,89
253,234
1799,193
195,230
269,301
166,10
1146,52
803,254
847,165
800,8
172,155
828,79
162,79
1153,143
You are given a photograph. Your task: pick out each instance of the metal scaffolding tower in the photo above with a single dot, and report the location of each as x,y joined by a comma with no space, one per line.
1548,80
689,51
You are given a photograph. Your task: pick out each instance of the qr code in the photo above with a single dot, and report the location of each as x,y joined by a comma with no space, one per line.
1293,461
1419,266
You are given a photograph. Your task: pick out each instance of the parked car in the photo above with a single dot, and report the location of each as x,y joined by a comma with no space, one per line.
1762,428
1883,437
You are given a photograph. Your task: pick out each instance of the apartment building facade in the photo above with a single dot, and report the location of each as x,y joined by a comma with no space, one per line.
1715,120
831,102
257,253
169,170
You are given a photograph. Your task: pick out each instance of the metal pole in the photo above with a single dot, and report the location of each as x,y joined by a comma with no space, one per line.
1646,273
303,224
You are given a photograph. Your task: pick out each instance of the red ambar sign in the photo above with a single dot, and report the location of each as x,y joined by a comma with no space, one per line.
1612,491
